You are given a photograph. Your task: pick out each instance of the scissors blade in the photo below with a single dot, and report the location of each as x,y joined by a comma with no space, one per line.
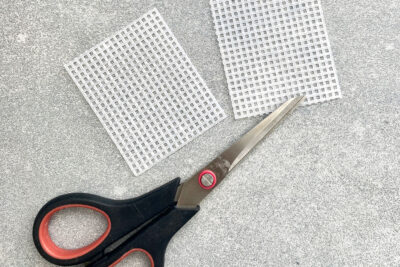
190,193
244,145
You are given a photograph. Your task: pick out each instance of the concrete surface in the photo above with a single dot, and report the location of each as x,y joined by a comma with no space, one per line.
322,190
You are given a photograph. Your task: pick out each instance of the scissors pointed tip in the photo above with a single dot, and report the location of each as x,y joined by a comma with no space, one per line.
301,98
298,99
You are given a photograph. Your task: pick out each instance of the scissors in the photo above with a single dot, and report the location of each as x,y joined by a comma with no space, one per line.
147,223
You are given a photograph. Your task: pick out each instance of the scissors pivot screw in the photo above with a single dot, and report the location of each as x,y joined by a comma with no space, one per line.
207,179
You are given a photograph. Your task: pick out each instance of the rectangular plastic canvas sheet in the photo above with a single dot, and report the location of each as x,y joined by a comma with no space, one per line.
273,50
145,91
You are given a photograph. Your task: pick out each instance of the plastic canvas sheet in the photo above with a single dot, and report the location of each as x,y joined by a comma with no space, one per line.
145,91
273,50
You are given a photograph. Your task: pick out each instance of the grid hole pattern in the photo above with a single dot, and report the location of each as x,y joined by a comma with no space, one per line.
273,50
145,91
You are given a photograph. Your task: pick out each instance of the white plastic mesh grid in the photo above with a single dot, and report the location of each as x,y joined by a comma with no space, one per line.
145,91
273,50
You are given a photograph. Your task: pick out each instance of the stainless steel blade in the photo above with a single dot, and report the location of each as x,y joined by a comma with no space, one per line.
237,151
191,193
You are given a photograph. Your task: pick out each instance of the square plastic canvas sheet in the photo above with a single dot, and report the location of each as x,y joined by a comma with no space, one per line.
145,91
273,50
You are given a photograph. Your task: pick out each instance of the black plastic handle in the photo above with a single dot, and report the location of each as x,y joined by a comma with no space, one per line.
123,216
152,239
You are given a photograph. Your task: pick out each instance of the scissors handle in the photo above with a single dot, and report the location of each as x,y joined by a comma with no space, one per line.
152,240
154,216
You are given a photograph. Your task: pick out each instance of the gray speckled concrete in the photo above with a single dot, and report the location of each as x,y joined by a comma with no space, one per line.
322,190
